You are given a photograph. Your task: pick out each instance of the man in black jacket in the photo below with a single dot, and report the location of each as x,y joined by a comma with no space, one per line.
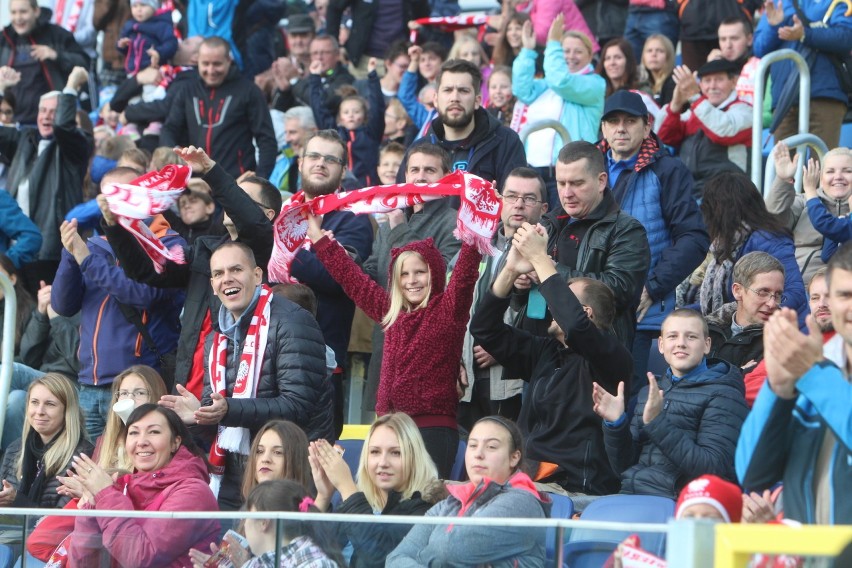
686,423
558,424
223,113
476,141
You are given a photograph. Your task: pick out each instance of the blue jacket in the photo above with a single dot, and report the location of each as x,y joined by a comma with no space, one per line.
213,18
836,230
17,227
781,440
782,248
407,95
835,38
157,32
582,94
658,193
108,342
335,309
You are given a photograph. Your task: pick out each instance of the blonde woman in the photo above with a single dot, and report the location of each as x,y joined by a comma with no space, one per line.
658,62
395,476
141,384
53,433
466,47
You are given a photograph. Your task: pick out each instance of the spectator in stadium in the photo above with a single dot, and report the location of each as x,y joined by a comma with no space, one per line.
509,41
198,216
736,37
566,437
501,101
835,230
399,127
543,14
420,111
468,48
657,66
420,308
656,189
686,423
649,18
169,474
47,169
299,124
395,476
738,223
301,30
396,61
115,307
834,190
53,433
736,329
617,65
223,113
798,430
497,488
707,122
432,56
333,73
285,375
38,58
390,157
249,209
822,39
595,217
146,30
494,389
699,22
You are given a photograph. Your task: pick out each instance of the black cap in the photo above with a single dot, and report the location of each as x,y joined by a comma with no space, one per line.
719,66
625,101
300,24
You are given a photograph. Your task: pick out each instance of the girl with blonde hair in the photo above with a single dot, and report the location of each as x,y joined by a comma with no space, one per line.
395,476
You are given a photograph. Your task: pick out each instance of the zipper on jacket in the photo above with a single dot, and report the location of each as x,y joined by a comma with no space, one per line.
586,464
95,341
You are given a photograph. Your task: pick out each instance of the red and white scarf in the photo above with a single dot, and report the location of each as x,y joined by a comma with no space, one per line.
73,18
144,197
479,213
450,23
230,438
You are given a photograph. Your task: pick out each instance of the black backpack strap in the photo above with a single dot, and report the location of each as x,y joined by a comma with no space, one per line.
133,316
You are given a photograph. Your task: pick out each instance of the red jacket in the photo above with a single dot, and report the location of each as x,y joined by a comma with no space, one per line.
422,348
155,543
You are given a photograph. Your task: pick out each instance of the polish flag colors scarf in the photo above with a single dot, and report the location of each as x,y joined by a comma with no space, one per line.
450,23
235,439
479,213
144,197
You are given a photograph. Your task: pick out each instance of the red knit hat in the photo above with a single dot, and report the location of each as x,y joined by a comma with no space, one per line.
724,496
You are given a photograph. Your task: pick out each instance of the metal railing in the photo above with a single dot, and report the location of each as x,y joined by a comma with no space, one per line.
759,91
560,129
7,354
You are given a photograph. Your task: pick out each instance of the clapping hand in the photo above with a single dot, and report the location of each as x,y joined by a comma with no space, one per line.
608,407
654,404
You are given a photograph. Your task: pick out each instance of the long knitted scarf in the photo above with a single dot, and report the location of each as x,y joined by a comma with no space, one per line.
144,197
450,23
230,438
715,284
479,213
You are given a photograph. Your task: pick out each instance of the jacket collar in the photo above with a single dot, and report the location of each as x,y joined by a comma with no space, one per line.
649,152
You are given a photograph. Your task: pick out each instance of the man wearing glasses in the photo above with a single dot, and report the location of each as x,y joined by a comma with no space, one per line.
656,189
322,167
736,329
333,75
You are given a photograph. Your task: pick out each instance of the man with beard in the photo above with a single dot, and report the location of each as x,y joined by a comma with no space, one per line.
322,167
476,141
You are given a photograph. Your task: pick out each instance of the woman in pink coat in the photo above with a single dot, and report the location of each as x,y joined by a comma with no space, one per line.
543,12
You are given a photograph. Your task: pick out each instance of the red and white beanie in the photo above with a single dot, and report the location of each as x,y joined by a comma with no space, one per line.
724,496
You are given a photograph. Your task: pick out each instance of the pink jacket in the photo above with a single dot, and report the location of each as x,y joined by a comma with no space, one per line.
545,11
150,543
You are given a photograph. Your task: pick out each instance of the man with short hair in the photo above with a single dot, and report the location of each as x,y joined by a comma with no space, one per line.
323,166
736,36
476,141
266,361
333,75
708,122
492,389
656,189
798,431
685,424
427,163
301,30
223,113
558,424
590,236
396,60
736,329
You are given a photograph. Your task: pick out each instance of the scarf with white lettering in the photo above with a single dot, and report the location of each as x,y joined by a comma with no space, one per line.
148,195
231,438
479,213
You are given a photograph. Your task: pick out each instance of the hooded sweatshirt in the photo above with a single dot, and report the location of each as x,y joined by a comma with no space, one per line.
181,485
423,347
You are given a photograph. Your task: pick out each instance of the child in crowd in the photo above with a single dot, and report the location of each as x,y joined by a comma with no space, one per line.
501,102
145,31
398,125
197,213
431,58
419,106
424,329
360,124
466,47
390,158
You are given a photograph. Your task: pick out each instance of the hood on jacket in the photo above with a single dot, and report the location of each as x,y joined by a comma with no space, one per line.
430,253
467,493
719,371
484,125
143,487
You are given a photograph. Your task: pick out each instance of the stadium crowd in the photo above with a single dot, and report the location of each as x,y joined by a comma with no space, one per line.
636,319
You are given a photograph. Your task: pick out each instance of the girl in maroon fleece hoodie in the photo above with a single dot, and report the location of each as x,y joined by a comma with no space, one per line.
424,329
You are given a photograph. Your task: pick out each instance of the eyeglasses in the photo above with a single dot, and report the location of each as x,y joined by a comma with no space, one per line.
511,199
134,394
316,157
766,294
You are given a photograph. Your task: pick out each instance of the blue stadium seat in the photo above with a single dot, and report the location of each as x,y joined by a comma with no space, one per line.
591,547
563,508
656,363
351,453
846,135
458,473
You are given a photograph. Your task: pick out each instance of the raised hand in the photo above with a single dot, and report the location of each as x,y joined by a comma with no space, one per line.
72,241
557,28
654,405
810,178
788,352
315,67
608,407
197,159
773,13
785,167
78,77
184,404
528,36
